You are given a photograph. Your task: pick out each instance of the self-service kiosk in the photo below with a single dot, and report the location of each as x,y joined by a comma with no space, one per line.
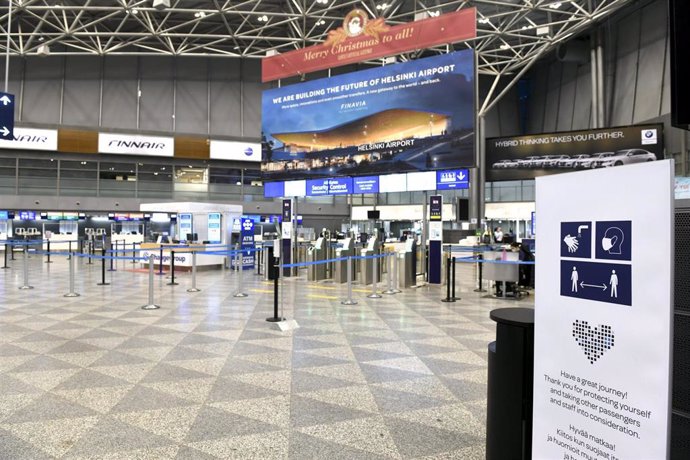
366,266
315,253
407,264
347,250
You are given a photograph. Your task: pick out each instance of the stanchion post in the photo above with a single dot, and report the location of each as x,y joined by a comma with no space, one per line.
448,282
160,262
172,269
12,252
374,279
480,262
193,288
276,273
48,261
90,251
134,252
240,266
69,243
103,283
4,267
26,271
71,292
452,293
349,300
113,254
150,305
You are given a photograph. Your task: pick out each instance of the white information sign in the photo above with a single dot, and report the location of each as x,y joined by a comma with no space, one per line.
134,144
603,319
233,150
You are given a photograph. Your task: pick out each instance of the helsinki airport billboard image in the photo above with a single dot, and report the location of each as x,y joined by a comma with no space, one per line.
413,116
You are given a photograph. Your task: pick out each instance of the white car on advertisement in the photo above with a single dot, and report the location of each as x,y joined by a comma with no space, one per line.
626,157
573,162
592,161
505,164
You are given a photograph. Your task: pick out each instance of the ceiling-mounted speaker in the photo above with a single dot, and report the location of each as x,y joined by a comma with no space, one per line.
161,4
678,14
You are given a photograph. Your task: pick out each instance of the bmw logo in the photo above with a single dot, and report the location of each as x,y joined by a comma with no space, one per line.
249,151
648,134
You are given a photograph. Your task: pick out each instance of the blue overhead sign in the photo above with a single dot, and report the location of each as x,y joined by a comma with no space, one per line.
366,184
6,116
452,179
332,186
274,189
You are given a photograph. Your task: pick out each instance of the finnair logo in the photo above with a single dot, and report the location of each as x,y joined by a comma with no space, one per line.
136,144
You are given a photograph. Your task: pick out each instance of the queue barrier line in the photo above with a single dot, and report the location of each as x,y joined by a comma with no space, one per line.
167,248
83,255
489,261
338,259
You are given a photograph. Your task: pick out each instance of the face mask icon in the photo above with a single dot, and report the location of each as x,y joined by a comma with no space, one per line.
612,240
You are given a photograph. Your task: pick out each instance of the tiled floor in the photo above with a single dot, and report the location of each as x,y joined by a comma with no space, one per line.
205,376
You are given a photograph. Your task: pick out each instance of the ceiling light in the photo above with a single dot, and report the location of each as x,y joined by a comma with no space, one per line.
527,27
320,23
134,11
382,6
323,2
161,4
505,46
263,18
200,14
555,5
484,21
434,13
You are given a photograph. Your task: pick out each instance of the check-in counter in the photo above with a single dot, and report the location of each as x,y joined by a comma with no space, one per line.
127,238
60,242
183,256
502,273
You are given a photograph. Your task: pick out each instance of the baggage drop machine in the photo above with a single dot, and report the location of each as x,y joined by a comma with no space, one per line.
347,250
315,253
366,266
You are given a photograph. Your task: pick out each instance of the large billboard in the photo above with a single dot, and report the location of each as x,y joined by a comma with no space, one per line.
413,116
527,157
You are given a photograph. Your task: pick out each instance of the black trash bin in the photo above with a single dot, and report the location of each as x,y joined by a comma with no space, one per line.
510,384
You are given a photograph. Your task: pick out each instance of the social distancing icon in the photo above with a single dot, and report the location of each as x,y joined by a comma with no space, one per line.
593,280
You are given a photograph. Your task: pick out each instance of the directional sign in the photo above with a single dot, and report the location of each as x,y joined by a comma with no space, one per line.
6,116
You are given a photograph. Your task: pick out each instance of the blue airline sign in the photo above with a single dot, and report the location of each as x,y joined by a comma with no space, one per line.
6,116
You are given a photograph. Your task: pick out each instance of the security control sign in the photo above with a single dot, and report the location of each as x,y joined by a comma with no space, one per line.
332,186
603,317
6,116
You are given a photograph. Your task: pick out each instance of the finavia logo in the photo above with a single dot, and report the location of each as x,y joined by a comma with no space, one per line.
247,225
249,151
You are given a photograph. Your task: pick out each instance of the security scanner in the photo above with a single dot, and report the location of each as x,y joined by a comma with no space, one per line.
347,250
316,253
407,263
366,266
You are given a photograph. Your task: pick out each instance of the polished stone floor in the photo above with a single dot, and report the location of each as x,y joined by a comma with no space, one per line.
205,376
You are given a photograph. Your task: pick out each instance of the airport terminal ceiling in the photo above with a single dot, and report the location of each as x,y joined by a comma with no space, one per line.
510,33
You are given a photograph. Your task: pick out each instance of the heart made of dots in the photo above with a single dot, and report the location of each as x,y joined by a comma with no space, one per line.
594,341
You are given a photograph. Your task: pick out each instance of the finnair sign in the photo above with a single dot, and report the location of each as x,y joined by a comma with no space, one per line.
128,144
32,139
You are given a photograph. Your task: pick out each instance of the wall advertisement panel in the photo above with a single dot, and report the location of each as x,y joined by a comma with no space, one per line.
413,116
233,150
527,157
603,316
